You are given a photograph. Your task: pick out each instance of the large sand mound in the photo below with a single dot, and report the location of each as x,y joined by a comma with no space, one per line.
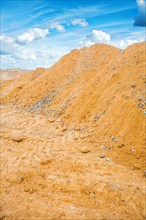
83,155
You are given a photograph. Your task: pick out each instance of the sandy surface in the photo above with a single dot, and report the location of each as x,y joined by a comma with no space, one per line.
72,138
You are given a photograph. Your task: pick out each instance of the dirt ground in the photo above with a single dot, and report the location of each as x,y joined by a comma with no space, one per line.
72,138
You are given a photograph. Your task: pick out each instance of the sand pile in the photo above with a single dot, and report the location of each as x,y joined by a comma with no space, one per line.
100,87
86,115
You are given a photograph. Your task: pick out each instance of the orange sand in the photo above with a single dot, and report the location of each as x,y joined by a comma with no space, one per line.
89,103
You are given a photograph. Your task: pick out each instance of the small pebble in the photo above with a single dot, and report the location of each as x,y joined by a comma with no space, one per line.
114,139
133,85
17,136
121,145
92,194
133,150
31,191
77,129
52,177
139,99
96,118
116,187
85,150
137,156
108,159
45,162
141,105
20,178
103,147
102,155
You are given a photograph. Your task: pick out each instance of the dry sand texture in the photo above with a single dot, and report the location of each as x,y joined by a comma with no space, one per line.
72,138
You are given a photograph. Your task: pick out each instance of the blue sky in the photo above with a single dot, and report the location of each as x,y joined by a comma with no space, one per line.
37,33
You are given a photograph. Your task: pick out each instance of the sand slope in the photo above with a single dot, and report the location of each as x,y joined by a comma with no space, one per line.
87,106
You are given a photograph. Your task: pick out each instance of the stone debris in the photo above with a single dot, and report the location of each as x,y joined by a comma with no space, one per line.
133,85
108,159
126,97
102,155
110,147
141,105
45,162
96,118
85,150
116,187
114,139
17,136
102,112
103,147
52,177
137,156
133,150
20,178
47,100
77,129
139,99
31,191
121,145
92,194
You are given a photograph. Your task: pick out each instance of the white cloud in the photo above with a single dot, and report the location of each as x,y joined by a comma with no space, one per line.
59,27
28,58
97,36
80,22
24,56
126,42
6,39
8,45
13,50
31,35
